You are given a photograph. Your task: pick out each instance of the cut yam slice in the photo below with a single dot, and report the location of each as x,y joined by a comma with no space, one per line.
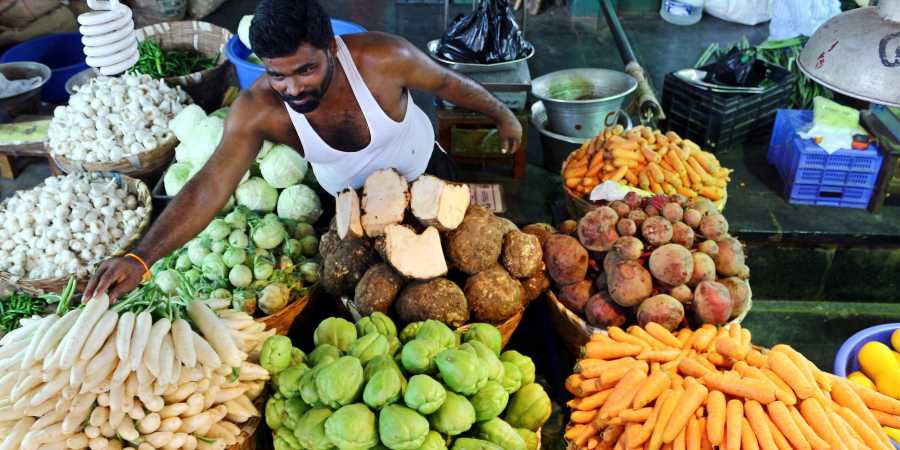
417,256
438,203
347,215
384,201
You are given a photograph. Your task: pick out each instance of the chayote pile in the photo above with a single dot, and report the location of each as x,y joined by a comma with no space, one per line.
428,388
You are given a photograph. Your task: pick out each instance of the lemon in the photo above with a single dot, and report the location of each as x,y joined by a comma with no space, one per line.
862,380
893,433
895,339
876,358
897,355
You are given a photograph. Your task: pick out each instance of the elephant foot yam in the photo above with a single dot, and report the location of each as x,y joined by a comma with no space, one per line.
347,215
662,309
566,259
377,289
437,203
505,225
542,231
739,290
384,201
712,303
575,296
704,269
522,254
476,244
535,286
493,295
346,265
672,264
602,311
328,243
657,230
417,256
629,283
437,299
597,229
730,257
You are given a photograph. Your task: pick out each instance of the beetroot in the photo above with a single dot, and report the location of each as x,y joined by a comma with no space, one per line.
682,235
712,303
576,295
673,211
628,247
657,230
626,227
682,293
709,247
637,216
739,290
568,227
714,226
621,208
633,200
662,309
692,217
730,258
672,264
566,259
597,229
651,211
704,269
629,283
601,311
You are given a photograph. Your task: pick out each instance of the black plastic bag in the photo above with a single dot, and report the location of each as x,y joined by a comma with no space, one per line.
739,68
488,35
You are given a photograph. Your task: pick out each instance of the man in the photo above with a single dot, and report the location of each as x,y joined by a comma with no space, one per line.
344,104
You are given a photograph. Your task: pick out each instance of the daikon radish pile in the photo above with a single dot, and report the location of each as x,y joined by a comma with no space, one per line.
649,388
135,375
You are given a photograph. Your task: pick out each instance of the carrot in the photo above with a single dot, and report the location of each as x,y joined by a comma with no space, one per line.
636,415
692,368
594,401
748,388
872,439
677,380
692,436
811,435
684,336
574,431
748,438
642,334
815,416
619,335
703,337
665,414
715,426
821,377
692,399
588,387
731,348
611,435
757,418
716,359
843,430
799,360
876,400
734,415
582,416
601,350
573,382
623,393
602,337
850,395
613,375
781,416
659,355
641,435
663,335
783,392
784,367
680,442
756,359
586,433
888,420
780,441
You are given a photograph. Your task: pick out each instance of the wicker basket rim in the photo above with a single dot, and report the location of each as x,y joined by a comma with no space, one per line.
164,147
221,33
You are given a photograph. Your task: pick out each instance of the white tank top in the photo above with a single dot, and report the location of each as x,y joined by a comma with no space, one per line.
405,145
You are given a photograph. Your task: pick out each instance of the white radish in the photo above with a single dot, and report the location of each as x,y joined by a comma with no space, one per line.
215,445
98,336
123,334
209,397
99,416
149,423
182,338
190,443
11,362
166,360
98,443
215,332
176,368
195,404
101,365
231,428
205,353
146,446
114,444
137,411
142,325
107,430
78,413
77,442
76,375
55,333
58,445
41,408
8,383
159,439
55,416
236,412
26,384
91,432
116,397
170,424
42,328
22,333
51,362
123,369
50,388
14,438
229,394
252,372
154,342
193,423
176,442
79,333
127,431
173,410
182,393
155,404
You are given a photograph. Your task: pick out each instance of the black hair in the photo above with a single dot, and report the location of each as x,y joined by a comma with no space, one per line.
279,27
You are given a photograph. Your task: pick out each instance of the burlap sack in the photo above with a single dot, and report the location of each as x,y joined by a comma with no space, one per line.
199,9
58,20
20,13
150,12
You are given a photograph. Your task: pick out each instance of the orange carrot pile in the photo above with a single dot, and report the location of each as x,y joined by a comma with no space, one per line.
649,389
646,159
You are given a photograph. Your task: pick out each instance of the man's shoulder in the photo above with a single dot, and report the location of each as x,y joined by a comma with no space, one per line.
376,46
257,106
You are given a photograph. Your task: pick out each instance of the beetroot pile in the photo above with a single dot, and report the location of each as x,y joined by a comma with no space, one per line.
659,259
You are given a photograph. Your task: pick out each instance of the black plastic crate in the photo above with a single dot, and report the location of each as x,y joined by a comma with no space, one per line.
716,121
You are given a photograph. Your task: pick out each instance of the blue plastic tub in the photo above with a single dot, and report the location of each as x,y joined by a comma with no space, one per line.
811,176
247,72
845,361
63,53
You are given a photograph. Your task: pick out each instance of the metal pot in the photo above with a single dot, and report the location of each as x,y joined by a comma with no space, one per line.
582,102
556,147
81,78
27,102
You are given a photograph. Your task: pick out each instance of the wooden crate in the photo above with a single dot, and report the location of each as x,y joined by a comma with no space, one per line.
471,138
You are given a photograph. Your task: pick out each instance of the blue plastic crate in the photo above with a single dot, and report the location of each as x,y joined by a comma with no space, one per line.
811,176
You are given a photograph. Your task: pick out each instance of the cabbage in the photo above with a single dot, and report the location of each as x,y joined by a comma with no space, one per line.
299,202
309,271
234,256
182,125
218,247
267,146
283,166
177,176
309,245
268,234
201,143
217,230
238,239
302,229
240,276
237,218
167,281
229,205
244,30
257,195
221,293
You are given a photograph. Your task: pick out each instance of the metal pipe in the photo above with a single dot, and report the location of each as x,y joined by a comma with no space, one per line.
615,27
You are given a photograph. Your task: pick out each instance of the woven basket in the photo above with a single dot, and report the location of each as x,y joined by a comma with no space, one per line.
133,186
144,163
207,87
506,328
282,320
575,331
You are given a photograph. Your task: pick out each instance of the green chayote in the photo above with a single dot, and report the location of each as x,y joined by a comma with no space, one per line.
512,377
308,387
418,355
279,443
288,380
337,332
439,332
489,401
528,408
383,388
424,394
474,444
286,435
490,360
275,355
461,371
394,345
524,363
275,413
297,356
369,346
310,430
485,333
454,417
408,332
378,363
401,428
294,408
324,353
433,441
352,427
378,323
530,437
500,433
339,382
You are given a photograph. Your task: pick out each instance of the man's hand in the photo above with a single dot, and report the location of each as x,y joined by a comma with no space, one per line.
510,132
122,274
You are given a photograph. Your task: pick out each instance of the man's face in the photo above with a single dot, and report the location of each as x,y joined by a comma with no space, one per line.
301,79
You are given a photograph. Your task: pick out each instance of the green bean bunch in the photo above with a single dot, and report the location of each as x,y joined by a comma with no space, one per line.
161,62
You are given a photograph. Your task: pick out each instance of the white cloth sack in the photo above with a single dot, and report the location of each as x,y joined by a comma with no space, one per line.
747,12
792,18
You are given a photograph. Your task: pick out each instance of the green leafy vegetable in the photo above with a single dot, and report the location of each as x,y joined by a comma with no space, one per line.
161,62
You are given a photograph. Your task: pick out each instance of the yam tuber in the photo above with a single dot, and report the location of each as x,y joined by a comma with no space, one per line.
714,226
535,286
597,229
730,257
437,203
566,259
377,289
704,269
493,295
629,283
682,235
417,256
522,255
657,230
712,303
740,293
438,299
347,215
384,201
576,295
626,227
602,311
672,264
628,247
662,309
328,243
346,264
476,244
543,231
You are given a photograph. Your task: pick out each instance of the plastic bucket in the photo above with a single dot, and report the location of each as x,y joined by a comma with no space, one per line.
582,102
63,53
248,72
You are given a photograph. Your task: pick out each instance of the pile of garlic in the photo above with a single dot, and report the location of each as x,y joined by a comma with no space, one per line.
65,226
110,119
